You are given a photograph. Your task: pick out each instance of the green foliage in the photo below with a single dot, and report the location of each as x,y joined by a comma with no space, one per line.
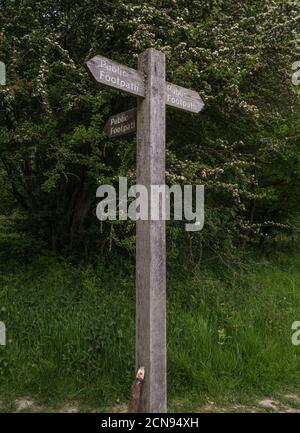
70,331
244,146
71,327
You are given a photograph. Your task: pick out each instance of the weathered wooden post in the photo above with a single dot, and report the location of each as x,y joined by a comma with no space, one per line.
150,237
154,93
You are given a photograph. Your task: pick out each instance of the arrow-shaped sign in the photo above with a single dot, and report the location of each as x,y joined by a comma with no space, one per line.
117,76
121,124
183,99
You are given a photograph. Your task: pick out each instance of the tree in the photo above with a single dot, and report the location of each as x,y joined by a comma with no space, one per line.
236,54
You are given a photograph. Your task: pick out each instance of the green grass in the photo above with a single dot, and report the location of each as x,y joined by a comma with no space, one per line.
70,332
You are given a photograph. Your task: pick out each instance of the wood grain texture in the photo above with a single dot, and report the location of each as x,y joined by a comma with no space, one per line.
112,74
149,84
136,390
150,242
121,123
183,99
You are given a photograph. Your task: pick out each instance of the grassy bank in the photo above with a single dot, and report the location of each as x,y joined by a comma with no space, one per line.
70,331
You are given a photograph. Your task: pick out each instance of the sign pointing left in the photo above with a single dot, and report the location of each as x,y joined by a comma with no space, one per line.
115,75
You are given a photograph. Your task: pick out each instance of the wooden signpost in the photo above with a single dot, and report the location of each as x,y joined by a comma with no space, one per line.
117,76
154,93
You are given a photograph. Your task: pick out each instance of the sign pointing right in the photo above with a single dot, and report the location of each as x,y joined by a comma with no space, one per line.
121,124
183,99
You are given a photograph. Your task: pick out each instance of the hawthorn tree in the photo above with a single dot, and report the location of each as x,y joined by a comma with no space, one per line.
244,147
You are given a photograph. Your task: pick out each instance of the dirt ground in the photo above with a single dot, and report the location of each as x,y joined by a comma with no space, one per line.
287,403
